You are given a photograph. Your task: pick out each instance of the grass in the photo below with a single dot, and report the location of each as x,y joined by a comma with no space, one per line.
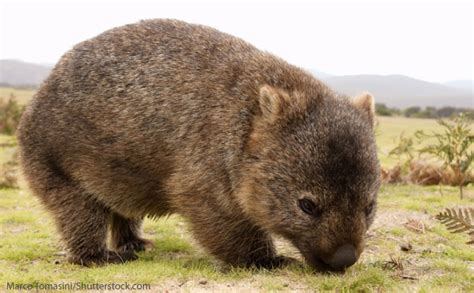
389,130
439,261
7,148
21,95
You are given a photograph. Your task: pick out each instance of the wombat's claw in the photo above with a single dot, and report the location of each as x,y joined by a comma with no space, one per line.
136,245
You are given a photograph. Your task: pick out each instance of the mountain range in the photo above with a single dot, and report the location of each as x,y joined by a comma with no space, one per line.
19,73
402,91
392,90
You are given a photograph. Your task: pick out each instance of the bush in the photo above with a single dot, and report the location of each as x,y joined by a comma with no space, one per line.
453,147
10,114
412,111
9,172
404,150
8,176
383,110
437,113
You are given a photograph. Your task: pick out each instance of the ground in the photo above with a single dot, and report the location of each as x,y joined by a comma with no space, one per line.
437,261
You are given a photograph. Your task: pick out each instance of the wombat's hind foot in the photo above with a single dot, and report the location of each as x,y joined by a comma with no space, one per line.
126,235
107,257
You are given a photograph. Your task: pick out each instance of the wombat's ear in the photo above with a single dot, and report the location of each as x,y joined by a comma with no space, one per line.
272,101
366,103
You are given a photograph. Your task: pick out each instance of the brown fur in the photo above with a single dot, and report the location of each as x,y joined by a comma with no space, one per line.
164,117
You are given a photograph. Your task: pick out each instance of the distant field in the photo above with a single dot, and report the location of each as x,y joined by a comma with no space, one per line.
21,95
389,129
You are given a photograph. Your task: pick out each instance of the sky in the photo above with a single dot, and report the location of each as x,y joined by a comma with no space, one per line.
432,40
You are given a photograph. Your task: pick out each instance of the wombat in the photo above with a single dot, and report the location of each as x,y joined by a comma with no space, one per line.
164,117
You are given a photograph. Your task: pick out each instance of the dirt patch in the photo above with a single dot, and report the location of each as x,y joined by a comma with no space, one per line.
389,219
252,284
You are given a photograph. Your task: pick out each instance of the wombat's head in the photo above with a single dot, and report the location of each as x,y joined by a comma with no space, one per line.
313,173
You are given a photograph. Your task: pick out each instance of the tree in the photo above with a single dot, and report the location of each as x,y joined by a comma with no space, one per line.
454,147
411,111
428,112
382,110
446,111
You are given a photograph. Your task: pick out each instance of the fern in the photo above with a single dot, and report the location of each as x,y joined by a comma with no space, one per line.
458,221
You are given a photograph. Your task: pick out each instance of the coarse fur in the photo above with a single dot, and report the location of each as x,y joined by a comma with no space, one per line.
163,117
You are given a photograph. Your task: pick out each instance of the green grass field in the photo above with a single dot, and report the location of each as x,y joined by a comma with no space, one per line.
388,132
21,95
439,261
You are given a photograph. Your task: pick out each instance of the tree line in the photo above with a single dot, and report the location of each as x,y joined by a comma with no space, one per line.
427,112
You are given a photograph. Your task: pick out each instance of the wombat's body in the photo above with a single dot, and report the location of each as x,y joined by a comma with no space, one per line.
166,117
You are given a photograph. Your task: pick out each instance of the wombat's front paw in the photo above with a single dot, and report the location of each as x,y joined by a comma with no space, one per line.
105,258
275,262
136,245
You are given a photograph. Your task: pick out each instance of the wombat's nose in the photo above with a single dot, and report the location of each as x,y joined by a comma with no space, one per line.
344,257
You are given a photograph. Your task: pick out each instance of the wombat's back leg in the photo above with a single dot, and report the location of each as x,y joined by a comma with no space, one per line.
126,234
81,219
82,222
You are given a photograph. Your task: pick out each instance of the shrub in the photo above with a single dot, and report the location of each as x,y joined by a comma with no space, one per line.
9,172
383,110
411,111
453,147
404,150
10,114
8,176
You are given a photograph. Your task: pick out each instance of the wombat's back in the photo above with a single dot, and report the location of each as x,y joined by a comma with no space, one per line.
136,73
124,110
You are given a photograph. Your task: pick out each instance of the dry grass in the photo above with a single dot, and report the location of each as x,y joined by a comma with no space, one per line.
392,175
21,95
423,173
9,168
8,176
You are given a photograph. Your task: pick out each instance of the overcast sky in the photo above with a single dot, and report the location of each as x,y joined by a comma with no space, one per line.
433,42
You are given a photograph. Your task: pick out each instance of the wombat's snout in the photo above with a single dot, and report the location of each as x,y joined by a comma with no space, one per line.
344,257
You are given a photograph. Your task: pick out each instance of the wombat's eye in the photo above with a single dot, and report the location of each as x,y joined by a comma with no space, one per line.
370,208
308,206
